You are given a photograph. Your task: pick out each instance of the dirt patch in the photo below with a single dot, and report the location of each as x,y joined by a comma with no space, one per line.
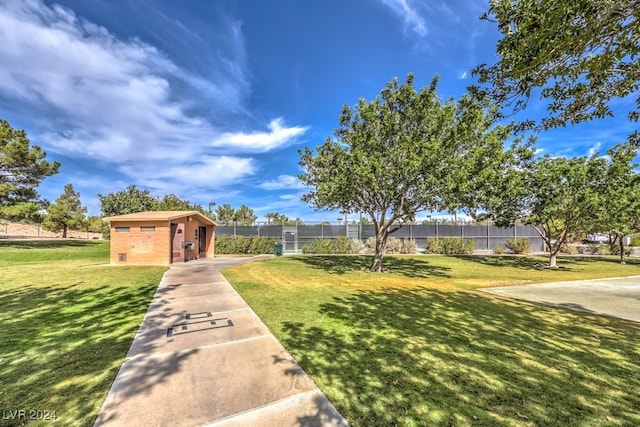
16,230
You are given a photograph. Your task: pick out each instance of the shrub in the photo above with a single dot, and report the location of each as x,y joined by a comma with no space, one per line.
356,246
409,246
371,245
615,250
588,249
499,250
518,246
635,242
262,245
320,246
342,245
433,246
602,250
450,246
569,249
394,246
236,245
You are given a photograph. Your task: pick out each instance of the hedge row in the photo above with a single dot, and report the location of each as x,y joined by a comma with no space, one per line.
340,245
254,245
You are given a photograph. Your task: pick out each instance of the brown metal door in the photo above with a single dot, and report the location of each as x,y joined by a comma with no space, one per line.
202,241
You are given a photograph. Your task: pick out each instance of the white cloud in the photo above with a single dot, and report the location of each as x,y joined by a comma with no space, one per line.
283,182
463,75
594,149
202,172
258,142
113,101
409,15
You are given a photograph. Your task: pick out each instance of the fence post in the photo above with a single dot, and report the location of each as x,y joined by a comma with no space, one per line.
488,237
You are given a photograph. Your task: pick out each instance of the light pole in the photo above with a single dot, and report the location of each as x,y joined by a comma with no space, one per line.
211,204
346,223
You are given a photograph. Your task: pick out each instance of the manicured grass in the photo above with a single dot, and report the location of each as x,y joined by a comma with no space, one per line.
421,346
67,320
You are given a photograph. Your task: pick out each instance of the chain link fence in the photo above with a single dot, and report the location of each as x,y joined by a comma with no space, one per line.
485,237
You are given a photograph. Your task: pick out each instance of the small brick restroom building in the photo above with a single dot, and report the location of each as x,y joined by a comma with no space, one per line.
161,237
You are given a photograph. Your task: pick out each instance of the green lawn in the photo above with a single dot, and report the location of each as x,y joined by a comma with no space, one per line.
67,320
420,345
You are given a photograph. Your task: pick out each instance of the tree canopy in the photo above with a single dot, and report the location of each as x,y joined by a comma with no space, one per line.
245,215
274,218
556,195
580,54
132,200
171,202
66,212
407,151
619,200
225,214
22,169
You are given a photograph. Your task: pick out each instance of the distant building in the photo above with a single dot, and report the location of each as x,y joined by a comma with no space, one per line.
161,237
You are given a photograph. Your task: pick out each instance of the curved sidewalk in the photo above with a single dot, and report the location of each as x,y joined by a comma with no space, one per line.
202,357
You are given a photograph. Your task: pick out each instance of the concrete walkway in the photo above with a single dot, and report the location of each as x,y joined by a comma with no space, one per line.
616,297
203,357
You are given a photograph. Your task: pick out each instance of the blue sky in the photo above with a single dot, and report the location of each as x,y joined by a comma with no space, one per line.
211,100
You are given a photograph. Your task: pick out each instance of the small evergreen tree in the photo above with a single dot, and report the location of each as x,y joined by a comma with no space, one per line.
66,212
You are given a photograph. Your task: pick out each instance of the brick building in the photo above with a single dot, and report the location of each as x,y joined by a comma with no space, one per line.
161,237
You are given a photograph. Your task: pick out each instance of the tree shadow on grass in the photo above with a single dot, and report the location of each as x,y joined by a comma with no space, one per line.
427,357
524,262
63,346
408,267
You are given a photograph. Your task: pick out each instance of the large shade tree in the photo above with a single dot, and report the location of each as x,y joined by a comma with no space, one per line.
130,200
576,55
407,151
619,199
171,202
133,199
557,196
22,169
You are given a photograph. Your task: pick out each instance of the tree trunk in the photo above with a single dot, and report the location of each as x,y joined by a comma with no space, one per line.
553,256
64,231
381,242
623,259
